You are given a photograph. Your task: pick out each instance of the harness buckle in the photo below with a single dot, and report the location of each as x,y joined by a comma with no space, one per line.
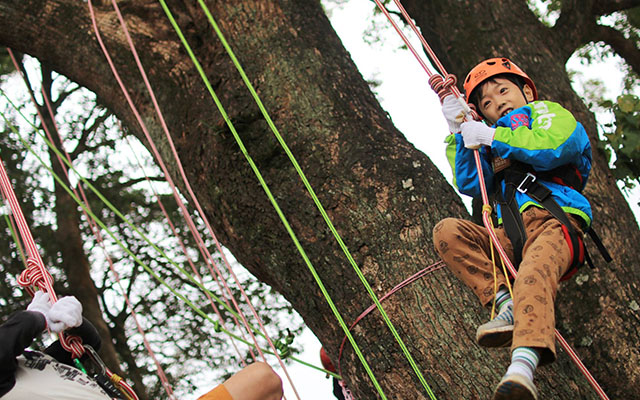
523,186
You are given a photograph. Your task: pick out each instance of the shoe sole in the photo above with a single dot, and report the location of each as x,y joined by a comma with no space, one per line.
497,337
514,389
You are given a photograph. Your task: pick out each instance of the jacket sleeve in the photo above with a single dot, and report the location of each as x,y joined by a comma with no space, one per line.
87,332
544,135
16,334
463,166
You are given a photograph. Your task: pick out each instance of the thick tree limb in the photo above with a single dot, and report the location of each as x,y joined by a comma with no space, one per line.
624,47
569,28
606,7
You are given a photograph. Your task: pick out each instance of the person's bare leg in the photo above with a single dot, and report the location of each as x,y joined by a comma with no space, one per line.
255,382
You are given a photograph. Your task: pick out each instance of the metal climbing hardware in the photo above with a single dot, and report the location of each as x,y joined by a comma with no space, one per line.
97,370
521,177
523,187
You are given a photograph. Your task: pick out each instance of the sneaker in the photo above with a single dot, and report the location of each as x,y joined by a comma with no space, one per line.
496,333
515,387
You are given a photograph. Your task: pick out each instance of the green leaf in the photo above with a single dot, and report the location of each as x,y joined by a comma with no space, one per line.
628,103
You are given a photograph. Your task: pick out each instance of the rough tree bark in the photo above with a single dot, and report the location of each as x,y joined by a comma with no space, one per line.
597,311
383,195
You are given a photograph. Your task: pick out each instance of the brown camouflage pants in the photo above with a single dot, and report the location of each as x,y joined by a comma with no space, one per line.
464,247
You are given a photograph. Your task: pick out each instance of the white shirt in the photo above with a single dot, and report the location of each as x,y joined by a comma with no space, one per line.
41,377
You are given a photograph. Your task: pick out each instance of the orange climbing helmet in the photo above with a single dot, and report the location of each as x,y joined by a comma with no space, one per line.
492,67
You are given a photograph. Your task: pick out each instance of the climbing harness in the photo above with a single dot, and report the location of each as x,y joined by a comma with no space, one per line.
519,177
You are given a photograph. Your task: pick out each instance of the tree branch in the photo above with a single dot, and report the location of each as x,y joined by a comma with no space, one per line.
574,15
64,95
624,47
88,130
396,13
606,7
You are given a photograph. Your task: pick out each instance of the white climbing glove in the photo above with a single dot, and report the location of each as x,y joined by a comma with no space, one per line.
454,112
64,314
476,134
40,303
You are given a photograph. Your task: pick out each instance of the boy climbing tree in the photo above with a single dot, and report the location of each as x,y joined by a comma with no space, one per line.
536,159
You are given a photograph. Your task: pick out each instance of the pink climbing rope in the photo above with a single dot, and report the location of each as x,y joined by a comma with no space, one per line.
485,213
418,275
190,223
193,267
125,386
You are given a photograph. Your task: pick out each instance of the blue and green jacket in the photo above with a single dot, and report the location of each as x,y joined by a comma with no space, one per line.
543,135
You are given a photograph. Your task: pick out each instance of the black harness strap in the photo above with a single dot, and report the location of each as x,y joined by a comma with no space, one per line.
524,181
512,220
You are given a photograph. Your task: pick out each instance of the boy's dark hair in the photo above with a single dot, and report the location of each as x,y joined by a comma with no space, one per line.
474,97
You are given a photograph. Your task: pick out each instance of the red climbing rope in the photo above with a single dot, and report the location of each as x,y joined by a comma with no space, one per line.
35,274
445,88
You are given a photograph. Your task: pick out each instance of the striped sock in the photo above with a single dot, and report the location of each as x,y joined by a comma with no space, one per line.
503,299
504,303
524,361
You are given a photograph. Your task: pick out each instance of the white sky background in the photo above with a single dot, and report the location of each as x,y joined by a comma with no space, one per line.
415,110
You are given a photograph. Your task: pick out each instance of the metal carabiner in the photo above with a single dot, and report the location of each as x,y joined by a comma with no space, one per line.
95,358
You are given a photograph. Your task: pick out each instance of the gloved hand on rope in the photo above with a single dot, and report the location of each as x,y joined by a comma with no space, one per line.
476,134
454,112
64,314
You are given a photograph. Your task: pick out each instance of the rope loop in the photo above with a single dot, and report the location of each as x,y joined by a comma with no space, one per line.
442,85
474,113
72,344
36,275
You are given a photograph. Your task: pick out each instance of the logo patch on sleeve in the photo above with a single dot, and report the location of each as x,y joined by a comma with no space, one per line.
518,120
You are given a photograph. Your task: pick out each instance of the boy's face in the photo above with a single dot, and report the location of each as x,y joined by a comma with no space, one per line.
501,96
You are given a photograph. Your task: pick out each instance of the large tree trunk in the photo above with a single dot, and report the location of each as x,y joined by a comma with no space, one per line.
596,310
382,194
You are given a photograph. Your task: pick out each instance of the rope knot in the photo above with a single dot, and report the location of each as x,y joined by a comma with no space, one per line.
72,344
442,86
35,275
